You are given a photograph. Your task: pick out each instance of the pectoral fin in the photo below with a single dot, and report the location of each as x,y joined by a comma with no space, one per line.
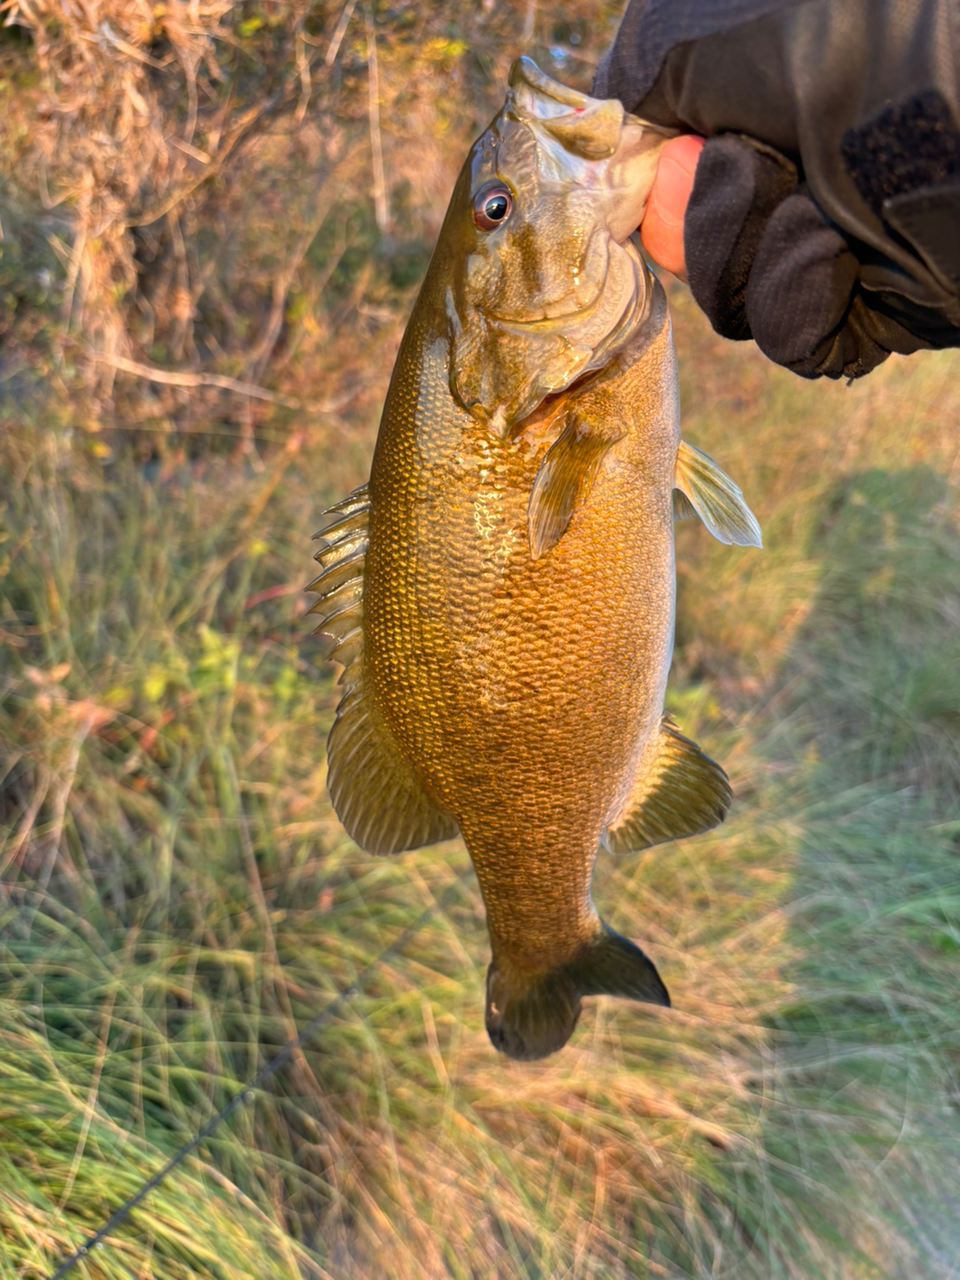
563,483
715,498
678,792
683,508
378,797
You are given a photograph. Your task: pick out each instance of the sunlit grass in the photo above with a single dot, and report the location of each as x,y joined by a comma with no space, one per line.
178,898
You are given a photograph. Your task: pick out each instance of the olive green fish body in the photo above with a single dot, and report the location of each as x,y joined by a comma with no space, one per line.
502,592
525,690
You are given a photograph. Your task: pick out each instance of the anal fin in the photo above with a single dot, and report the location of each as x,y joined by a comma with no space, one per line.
715,498
678,792
374,789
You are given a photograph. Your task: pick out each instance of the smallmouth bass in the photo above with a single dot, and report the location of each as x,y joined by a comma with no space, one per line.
501,592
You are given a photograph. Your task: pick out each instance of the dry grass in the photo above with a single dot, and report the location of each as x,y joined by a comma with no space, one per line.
195,191
177,896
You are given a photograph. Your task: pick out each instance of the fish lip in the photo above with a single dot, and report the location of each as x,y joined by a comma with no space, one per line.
509,425
621,332
545,324
548,322
525,71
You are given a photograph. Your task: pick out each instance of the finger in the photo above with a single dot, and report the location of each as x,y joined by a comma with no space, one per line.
662,227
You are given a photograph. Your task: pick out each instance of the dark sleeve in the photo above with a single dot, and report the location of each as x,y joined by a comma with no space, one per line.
825,218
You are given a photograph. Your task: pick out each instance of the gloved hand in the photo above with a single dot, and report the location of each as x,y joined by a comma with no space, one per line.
825,215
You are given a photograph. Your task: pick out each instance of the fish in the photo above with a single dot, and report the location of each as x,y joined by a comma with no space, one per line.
501,592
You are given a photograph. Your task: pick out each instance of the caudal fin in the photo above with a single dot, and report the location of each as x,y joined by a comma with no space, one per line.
530,1018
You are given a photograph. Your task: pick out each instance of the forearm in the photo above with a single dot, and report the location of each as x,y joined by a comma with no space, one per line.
855,105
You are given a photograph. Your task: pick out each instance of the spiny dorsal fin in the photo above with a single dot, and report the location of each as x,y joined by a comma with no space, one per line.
563,483
340,581
715,498
378,798
678,792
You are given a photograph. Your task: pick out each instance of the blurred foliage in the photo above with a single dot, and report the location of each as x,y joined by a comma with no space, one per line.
191,190
248,191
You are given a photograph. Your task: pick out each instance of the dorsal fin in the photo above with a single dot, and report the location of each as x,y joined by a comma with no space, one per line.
378,797
678,791
340,582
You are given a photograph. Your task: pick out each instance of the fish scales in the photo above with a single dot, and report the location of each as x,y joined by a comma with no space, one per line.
529,663
516,624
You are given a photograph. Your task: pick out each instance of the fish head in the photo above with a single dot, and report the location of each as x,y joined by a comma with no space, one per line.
546,284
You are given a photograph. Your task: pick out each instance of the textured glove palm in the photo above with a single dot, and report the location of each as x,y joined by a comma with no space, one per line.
825,216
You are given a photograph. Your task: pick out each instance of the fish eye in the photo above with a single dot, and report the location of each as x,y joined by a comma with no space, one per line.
492,206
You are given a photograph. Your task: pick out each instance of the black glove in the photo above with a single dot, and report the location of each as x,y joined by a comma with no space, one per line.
825,215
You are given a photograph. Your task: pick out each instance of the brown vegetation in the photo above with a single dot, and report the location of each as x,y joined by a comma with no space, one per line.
225,197
204,272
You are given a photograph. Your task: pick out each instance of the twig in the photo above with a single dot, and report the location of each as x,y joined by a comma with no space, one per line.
303,70
146,216
380,206
172,378
333,48
189,149
328,190
105,33
529,21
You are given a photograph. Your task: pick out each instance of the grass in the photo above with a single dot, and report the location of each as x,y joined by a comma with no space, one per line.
177,898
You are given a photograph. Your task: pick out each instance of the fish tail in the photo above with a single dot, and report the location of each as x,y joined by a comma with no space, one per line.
530,1017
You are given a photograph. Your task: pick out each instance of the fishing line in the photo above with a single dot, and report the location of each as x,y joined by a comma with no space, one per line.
247,1092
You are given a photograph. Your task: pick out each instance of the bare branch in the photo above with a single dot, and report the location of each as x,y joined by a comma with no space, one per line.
380,205
185,378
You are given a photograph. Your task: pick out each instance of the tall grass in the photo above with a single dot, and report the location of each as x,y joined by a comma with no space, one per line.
177,899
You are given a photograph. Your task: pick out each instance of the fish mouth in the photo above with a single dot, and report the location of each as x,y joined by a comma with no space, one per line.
598,247
631,314
577,131
584,355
